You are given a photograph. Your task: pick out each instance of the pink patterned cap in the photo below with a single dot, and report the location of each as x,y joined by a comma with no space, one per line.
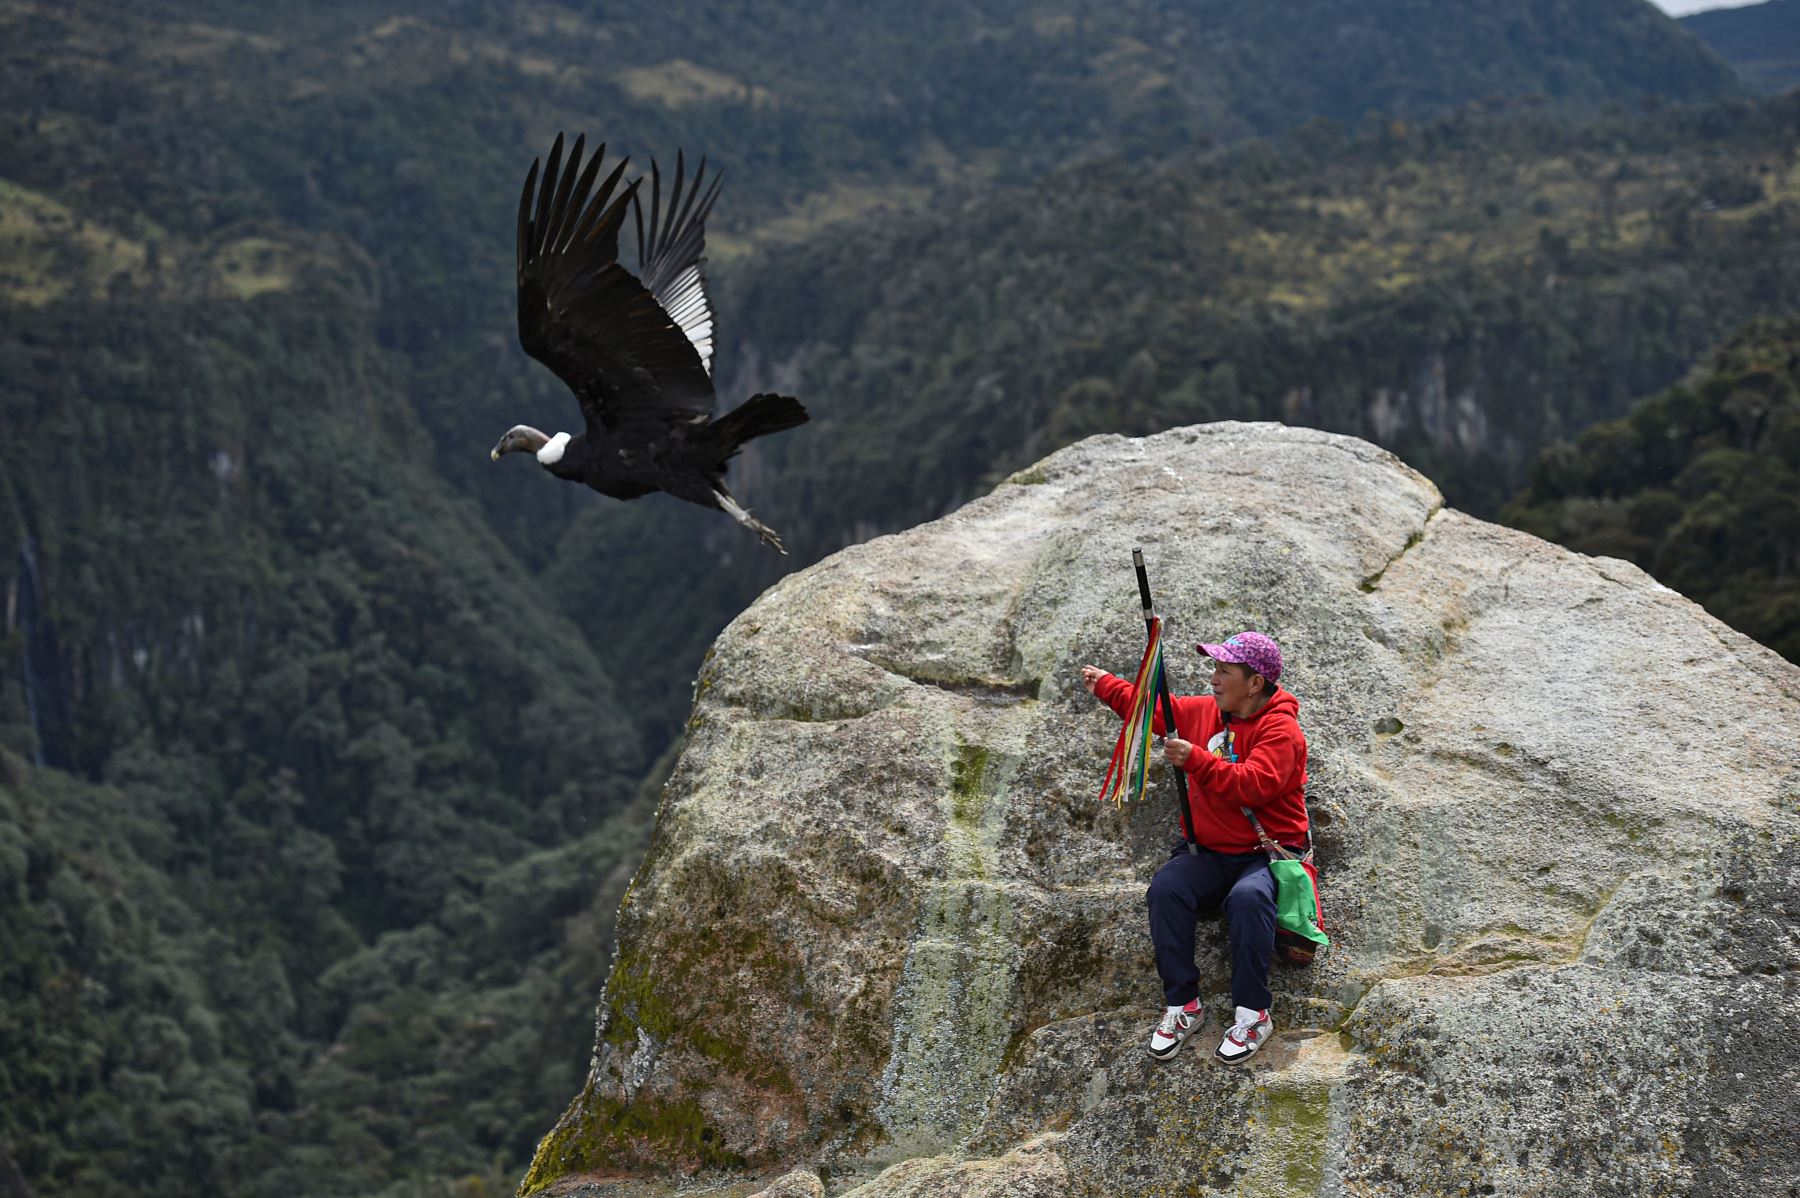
1251,649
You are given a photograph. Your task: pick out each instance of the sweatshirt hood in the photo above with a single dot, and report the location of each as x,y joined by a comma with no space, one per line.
1283,701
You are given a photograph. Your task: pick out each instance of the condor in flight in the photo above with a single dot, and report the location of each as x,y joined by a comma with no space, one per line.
635,348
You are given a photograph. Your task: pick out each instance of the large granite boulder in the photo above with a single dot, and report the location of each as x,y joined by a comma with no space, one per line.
885,925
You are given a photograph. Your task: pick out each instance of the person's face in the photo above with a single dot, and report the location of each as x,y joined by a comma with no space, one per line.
1231,686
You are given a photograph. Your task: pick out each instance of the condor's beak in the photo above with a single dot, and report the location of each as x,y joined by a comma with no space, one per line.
493,455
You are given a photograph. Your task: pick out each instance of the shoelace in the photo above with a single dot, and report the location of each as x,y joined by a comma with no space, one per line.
1171,1023
1240,1032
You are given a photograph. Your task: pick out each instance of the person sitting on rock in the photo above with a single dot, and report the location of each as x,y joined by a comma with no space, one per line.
1255,757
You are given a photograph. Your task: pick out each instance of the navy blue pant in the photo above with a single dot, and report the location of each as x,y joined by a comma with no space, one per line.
1188,884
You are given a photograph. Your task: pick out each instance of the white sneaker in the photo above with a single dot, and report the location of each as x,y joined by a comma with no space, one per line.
1176,1023
1248,1034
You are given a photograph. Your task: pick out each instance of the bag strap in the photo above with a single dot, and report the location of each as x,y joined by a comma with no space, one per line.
1274,848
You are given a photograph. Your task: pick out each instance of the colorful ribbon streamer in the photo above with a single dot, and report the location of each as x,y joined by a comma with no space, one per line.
1131,756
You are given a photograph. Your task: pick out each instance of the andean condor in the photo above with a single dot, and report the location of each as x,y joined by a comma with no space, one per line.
635,349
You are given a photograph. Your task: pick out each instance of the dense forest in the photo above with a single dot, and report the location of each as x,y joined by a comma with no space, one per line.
315,765
1699,485
327,747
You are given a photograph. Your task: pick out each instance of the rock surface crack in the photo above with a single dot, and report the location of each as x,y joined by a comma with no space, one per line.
1374,580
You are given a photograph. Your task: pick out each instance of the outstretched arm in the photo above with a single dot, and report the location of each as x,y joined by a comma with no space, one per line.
1118,694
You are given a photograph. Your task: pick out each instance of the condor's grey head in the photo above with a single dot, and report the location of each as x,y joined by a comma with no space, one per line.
522,438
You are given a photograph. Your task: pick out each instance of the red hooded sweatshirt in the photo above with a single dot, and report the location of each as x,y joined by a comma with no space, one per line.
1269,775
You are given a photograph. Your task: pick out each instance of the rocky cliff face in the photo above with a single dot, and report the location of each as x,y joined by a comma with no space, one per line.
884,921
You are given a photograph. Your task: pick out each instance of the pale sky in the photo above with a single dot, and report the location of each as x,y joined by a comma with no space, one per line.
1681,8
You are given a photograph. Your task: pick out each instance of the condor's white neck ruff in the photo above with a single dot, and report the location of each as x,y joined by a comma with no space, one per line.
552,451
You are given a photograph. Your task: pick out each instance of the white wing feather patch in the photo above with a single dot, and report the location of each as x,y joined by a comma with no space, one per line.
685,300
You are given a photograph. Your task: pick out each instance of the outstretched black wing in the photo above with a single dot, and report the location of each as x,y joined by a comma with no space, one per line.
589,319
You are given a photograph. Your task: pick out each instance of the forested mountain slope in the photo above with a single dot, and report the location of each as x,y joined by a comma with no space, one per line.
1461,291
318,750
1761,41
406,126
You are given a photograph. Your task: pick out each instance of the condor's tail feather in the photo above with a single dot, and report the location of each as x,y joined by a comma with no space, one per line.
757,416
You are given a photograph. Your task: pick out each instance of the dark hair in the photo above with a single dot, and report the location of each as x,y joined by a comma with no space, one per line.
1246,673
